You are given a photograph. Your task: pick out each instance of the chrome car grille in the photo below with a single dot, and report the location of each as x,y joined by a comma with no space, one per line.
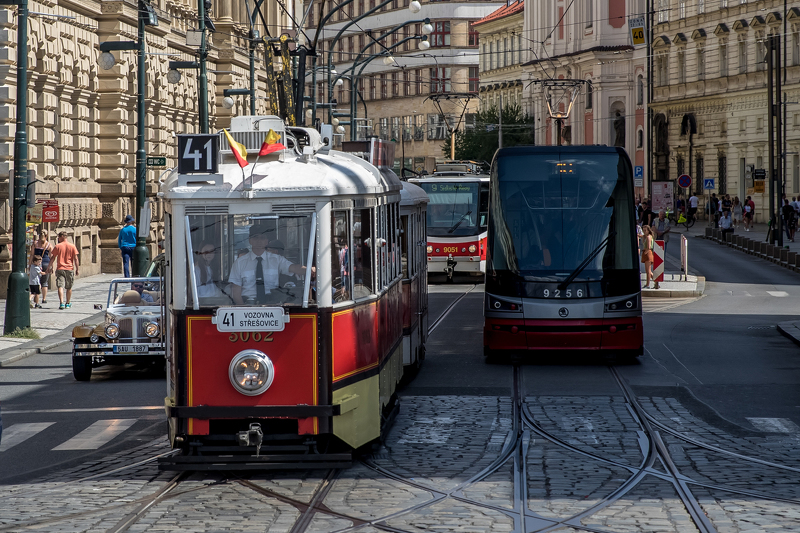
127,325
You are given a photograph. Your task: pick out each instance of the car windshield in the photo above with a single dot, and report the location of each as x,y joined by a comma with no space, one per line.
134,292
454,208
225,253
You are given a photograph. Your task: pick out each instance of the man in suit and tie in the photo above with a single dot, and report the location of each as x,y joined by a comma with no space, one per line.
258,272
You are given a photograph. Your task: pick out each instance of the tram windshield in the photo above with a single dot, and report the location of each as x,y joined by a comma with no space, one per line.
553,212
225,253
455,208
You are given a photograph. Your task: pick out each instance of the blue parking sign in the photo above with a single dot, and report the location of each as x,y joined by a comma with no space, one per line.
638,172
708,184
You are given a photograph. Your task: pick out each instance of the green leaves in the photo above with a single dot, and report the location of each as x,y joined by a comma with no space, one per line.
481,142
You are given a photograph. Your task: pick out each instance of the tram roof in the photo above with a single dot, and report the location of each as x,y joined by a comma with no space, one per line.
325,174
571,149
412,195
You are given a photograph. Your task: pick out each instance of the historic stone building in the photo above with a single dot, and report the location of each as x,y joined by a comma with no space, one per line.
710,95
393,100
82,120
588,41
502,46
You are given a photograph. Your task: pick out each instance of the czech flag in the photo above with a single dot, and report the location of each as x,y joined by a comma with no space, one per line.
271,144
238,150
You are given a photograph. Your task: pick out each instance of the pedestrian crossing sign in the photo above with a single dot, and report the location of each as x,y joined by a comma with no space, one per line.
708,184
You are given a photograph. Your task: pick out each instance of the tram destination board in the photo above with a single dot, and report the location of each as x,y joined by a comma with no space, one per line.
198,154
235,319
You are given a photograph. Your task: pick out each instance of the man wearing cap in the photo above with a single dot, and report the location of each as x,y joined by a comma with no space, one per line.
253,275
127,243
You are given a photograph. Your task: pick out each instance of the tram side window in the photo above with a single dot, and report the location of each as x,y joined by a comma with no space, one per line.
408,253
340,257
362,253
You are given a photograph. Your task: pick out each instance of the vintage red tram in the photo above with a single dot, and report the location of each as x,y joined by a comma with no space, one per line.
285,287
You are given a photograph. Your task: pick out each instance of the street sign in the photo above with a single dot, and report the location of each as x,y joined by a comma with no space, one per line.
198,154
638,176
50,210
636,25
156,161
685,181
759,186
708,184
760,173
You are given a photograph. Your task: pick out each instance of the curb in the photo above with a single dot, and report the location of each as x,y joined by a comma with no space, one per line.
663,293
13,355
782,257
790,331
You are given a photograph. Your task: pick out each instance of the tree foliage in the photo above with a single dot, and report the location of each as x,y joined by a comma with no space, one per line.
481,142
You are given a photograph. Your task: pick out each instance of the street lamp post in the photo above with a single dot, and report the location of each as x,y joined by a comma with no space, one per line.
18,313
146,17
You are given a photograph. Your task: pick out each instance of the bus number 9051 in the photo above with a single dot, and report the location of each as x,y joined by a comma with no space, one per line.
566,293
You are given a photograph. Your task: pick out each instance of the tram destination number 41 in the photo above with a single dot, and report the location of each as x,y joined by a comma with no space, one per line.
198,154
235,319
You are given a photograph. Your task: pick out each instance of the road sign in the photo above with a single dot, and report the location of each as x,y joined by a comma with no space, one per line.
156,161
708,184
658,261
759,186
198,154
685,181
636,25
638,176
760,173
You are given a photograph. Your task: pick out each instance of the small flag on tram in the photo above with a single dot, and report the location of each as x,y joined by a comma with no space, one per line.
239,151
271,143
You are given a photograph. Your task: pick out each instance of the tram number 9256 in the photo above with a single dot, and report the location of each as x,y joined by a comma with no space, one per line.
565,293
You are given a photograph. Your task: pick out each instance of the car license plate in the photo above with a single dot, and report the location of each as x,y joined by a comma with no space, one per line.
130,348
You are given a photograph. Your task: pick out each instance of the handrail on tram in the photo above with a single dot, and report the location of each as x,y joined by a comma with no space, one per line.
195,298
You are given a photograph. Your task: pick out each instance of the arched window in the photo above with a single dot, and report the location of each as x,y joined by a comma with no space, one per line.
640,138
640,90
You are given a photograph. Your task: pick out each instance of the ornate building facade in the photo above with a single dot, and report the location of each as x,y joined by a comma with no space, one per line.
710,94
502,48
82,122
588,41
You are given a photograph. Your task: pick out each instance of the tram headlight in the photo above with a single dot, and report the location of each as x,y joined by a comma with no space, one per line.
472,248
630,304
152,330
251,372
430,249
93,338
112,331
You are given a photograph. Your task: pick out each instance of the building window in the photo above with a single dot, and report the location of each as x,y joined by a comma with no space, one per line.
796,173
441,34
406,83
491,56
589,95
701,7
384,91
474,80
723,4
742,57
437,129
482,61
722,168
473,36
440,80
505,52
520,57
699,176
589,13
682,9
372,87
663,11
681,164
701,64
640,138
681,66
723,60
395,134
640,90
395,88
761,47
796,47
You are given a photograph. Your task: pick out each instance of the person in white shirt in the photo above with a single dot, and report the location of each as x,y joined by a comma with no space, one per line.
250,286
726,223
692,206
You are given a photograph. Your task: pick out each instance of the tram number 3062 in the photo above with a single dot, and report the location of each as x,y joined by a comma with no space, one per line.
566,293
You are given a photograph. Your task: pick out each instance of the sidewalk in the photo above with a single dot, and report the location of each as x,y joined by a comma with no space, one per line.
54,325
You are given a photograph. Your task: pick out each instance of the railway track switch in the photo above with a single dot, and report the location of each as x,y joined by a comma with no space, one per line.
252,437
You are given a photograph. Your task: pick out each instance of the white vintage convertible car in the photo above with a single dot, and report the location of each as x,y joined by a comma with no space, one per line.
131,332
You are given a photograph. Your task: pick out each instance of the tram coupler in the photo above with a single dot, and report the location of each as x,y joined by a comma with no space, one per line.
451,268
252,437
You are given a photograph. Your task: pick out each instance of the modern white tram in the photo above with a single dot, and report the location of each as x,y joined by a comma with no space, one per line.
286,299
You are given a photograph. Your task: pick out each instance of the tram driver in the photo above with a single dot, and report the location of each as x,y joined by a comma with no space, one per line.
255,274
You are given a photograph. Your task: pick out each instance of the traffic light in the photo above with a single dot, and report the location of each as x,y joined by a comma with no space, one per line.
147,12
209,23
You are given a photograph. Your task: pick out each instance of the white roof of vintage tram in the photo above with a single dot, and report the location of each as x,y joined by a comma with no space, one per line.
309,171
412,195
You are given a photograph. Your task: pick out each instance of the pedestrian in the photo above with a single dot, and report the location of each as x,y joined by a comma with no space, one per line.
789,219
692,206
35,281
647,214
42,248
727,203
662,226
206,269
749,211
726,224
647,254
737,211
64,261
127,243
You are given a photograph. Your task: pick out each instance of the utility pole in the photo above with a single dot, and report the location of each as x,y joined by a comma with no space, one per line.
774,220
18,313
500,122
649,103
780,185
